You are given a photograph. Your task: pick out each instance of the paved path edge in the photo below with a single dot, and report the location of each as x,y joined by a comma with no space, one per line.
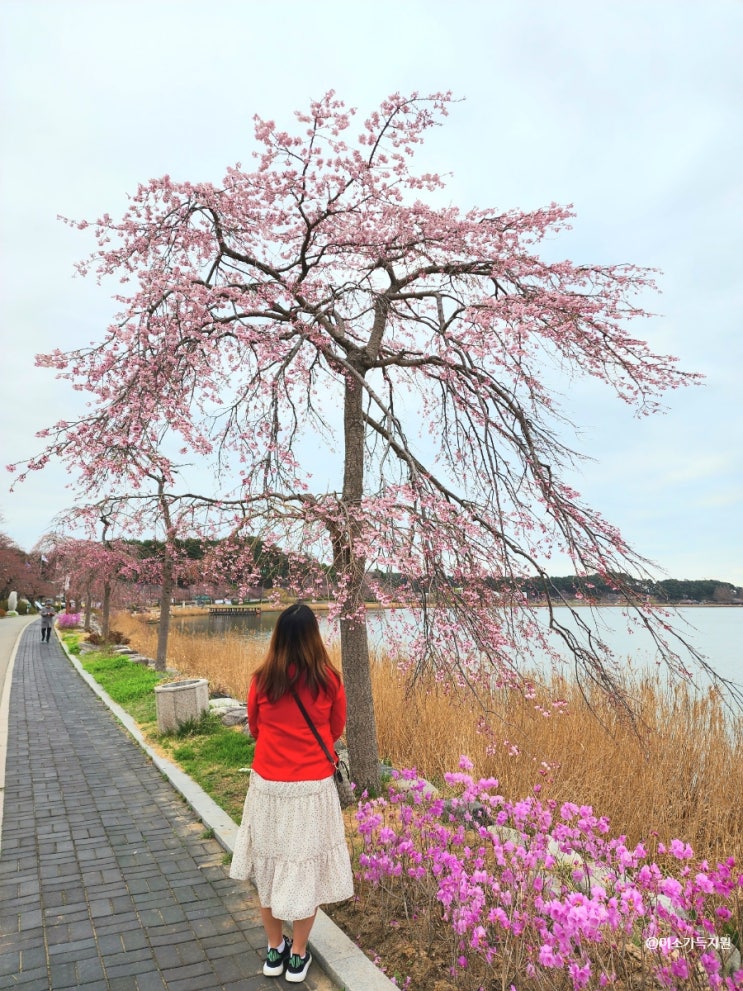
4,714
337,954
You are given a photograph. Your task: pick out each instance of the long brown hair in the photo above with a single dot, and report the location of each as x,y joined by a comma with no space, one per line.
296,653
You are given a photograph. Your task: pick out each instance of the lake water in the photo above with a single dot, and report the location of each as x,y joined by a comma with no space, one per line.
716,632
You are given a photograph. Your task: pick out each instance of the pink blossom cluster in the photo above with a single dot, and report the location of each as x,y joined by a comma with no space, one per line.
530,888
68,620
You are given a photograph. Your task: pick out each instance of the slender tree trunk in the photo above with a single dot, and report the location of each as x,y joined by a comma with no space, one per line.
361,728
163,626
167,583
106,610
88,608
106,606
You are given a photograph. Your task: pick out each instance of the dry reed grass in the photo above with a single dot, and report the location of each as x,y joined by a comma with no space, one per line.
227,662
679,773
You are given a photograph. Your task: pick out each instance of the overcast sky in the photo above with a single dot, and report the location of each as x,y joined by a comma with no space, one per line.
631,111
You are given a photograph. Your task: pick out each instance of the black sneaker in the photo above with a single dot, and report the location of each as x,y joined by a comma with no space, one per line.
297,968
276,959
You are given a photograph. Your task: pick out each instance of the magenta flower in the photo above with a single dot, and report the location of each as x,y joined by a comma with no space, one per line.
563,887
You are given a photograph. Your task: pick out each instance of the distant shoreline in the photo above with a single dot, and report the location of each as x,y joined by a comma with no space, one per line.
325,605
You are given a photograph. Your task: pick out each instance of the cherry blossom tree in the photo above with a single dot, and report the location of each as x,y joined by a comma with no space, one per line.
147,507
93,568
373,368
176,517
124,486
23,573
165,567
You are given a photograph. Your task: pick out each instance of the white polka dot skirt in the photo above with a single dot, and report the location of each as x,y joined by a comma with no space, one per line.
291,844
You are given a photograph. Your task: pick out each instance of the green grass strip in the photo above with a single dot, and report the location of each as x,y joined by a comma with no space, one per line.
123,681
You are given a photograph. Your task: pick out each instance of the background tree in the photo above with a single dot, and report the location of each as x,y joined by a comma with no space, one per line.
175,519
326,302
93,569
122,483
100,565
26,574
77,563
11,566
161,568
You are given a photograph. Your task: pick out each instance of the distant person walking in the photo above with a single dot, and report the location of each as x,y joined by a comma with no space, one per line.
291,841
47,620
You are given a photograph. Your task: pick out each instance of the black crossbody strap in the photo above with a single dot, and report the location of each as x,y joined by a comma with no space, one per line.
312,726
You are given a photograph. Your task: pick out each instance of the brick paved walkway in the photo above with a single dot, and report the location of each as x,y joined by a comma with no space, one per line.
107,880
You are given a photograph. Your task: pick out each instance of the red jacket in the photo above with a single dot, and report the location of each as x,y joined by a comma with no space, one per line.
285,749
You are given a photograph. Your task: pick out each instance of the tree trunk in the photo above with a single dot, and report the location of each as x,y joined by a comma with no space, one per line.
163,626
361,726
361,729
106,610
88,608
166,585
106,605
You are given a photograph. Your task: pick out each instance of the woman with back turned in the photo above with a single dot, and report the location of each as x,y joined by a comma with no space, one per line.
291,842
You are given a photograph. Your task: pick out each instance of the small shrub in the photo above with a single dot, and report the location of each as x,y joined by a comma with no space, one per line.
68,620
201,725
116,636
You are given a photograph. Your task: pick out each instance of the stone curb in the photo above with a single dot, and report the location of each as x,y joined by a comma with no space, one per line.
4,712
338,955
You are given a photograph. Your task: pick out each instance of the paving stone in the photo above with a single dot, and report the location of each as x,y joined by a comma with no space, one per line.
63,974
10,963
33,958
150,982
31,980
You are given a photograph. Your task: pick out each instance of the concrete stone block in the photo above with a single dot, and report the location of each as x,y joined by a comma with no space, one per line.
179,702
